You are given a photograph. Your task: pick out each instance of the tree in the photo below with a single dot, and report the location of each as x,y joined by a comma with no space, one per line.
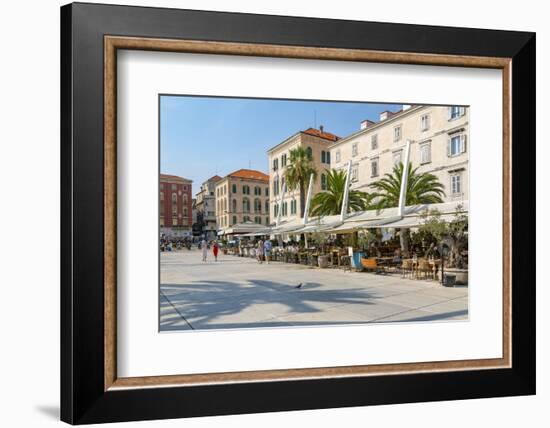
330,201
422,188
298,171
453,233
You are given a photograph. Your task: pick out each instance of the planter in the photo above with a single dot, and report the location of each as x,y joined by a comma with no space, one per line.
461,275
322,261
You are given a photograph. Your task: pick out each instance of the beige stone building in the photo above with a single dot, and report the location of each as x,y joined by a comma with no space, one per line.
206,207
439,145
318,143
242,197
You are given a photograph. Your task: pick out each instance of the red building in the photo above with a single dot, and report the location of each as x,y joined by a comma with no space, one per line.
175,205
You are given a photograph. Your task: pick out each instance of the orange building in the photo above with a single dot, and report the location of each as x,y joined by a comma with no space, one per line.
175,205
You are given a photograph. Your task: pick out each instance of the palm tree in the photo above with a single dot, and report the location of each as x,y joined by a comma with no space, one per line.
330,202
422,188
298,171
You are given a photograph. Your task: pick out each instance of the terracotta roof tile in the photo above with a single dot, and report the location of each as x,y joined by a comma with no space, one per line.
318,133
174,178
250,174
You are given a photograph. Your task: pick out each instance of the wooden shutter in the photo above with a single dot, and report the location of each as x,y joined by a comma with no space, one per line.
463,143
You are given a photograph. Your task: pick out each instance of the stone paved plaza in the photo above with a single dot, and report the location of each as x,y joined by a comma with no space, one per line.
238,292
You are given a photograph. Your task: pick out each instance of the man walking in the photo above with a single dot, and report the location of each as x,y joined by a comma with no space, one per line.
204,248
267,250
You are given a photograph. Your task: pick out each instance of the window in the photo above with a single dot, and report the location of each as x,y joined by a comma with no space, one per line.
283,160
328,158
425,122
374,142
258,220
246,205
396,158
275,210
456,145
174,203
174,187
354,173
275,164
323,182
174,221
246,190
266,191
267,206
285,209
374,167
338,155
354,149
425,153
234,188
293,206
246,219
397,133
323,156
309,153
257,206
234,219
234,206
455,112
456,183
276,186
267,221
257,191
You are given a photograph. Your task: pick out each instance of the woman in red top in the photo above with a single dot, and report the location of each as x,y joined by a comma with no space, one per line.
215,250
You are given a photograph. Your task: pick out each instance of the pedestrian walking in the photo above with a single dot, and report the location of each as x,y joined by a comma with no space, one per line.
204,248
260,251
267,250
215,250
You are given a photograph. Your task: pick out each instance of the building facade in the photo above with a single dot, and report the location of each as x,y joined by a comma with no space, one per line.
317,142
175,205
242,197
439,145
206,207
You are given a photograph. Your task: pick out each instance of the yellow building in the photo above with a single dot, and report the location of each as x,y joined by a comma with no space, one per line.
439,145
242,197
317,142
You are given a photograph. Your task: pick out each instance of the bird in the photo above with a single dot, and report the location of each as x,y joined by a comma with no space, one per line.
299,285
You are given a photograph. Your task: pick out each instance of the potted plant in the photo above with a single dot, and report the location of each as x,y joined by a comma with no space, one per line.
452,235
320,239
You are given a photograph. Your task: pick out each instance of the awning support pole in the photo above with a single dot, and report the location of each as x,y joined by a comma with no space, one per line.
404,179
308,199
345,199
281,202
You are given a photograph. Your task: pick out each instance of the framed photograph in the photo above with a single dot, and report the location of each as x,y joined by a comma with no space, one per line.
267,213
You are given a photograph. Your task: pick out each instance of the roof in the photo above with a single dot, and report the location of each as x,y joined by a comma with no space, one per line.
168,177
318,133
310,131
214,178
394,116
249,174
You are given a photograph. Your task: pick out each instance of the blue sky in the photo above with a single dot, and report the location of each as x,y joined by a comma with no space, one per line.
204,136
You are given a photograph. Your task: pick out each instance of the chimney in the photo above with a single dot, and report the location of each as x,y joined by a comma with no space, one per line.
366,123
384,115
321,128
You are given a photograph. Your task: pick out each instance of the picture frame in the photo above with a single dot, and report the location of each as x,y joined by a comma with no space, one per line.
91,391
